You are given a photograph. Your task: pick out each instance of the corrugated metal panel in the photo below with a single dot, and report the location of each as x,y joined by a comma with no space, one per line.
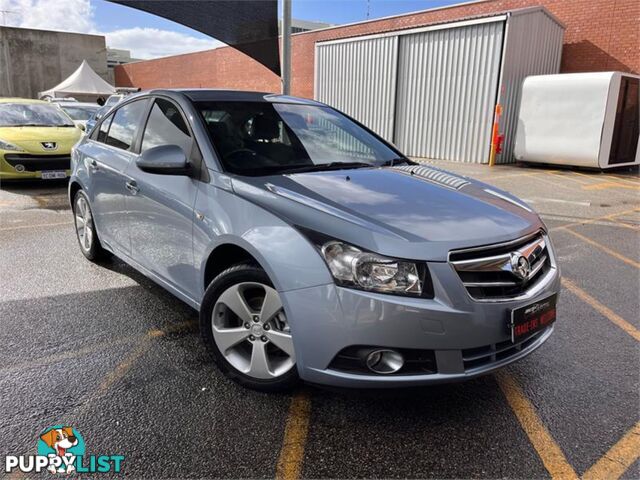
359,78
447,88
533,46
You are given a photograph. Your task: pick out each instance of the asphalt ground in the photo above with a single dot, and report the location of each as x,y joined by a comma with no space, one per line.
103,349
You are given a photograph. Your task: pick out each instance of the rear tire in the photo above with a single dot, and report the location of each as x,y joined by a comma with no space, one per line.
244,327
85,228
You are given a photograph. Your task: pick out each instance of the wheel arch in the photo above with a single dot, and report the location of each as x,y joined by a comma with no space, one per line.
74,187
224,256
288,259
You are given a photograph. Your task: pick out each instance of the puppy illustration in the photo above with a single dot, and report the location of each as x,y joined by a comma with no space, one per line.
60,439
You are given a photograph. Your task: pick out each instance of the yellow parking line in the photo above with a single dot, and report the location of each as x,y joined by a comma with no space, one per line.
616,178
295,438
58,357
549,451
512,175
595,176
123,367
618,459
621,223
588,221
35,226
548,181
607,250
604,310
566,177
633,180
69,354
609,184
120,371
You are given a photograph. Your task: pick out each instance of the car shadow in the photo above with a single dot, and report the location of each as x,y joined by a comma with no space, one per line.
27,186
47,194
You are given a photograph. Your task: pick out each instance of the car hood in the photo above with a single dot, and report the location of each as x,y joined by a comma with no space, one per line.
408,211
30,138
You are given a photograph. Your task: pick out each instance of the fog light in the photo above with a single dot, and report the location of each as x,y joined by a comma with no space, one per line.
384,361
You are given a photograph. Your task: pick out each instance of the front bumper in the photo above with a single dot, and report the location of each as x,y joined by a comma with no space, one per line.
468,338
26,166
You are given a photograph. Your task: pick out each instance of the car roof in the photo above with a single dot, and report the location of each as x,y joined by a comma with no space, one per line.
21,100
215,95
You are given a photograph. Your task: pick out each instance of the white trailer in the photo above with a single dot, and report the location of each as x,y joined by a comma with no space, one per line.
582,119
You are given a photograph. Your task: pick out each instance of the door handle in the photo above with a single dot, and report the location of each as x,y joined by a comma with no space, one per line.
132,186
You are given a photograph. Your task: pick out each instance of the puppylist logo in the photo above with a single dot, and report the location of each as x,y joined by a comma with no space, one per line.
61,449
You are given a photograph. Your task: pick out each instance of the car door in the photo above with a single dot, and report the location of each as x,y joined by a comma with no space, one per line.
109,156
161,208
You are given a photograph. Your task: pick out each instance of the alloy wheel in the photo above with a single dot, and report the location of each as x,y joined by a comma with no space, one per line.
84,223
251,331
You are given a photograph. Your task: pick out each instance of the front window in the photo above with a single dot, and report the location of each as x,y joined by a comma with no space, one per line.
124,124
33,115
79,113
166,127
112,100
261,138
103,131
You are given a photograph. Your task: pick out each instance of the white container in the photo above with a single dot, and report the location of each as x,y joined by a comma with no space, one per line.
582,119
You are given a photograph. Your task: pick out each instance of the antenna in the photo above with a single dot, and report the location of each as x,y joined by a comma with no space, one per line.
368,8
286,47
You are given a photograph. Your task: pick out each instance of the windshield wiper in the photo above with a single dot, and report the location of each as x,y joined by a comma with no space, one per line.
397,161
328,166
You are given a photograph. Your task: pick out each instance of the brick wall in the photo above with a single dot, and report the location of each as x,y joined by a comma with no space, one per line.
600,35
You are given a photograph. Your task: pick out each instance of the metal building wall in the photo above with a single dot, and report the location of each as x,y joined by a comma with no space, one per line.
359,78
533,46
447,88
432,90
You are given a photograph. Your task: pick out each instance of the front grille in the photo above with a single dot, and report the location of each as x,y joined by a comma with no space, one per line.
474,358
34,163
492,272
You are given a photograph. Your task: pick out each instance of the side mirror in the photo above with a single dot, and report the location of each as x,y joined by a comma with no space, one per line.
164,160
81,126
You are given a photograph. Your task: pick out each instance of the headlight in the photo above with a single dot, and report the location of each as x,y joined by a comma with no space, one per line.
352,267
9,146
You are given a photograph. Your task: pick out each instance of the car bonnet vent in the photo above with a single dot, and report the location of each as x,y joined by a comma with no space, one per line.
433,175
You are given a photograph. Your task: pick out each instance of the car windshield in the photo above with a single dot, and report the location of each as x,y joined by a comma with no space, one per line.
80,113
261,138
33,115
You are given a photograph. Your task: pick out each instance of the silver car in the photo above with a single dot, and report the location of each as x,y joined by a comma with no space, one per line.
79,112
312,248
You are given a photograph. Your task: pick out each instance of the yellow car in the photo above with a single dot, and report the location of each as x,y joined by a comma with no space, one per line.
35,140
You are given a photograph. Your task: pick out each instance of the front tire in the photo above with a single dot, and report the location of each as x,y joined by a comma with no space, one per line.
86,229
244,326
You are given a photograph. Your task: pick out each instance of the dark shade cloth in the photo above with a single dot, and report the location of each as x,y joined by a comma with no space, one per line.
250,26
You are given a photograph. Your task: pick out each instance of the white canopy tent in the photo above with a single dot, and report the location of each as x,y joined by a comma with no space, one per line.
83,84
